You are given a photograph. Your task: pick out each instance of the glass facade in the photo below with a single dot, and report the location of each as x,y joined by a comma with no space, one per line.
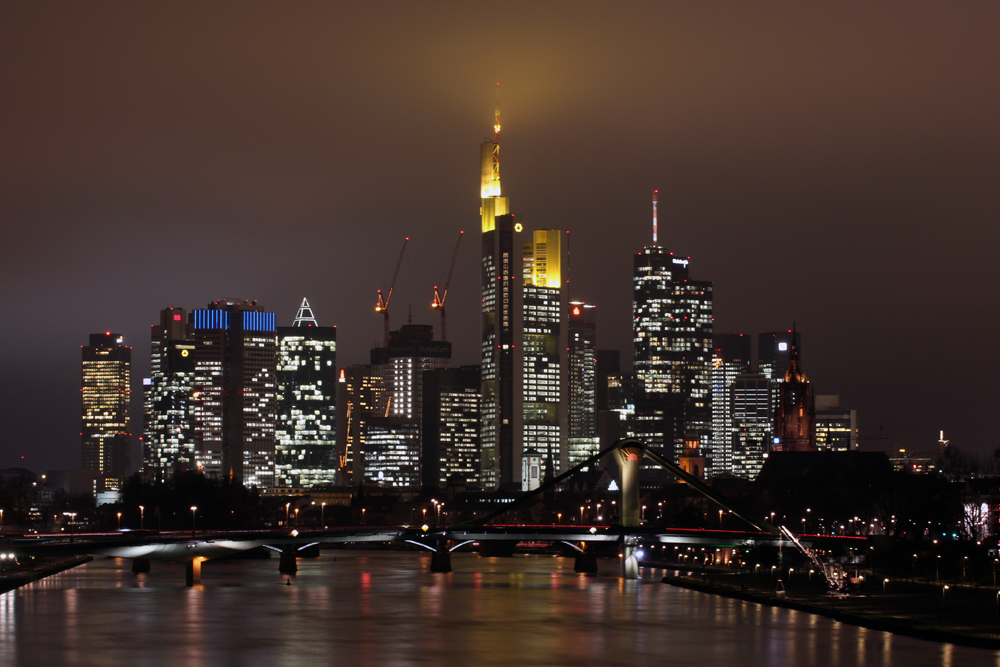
672,340
751,423
306,428
731,357
105,425
582,383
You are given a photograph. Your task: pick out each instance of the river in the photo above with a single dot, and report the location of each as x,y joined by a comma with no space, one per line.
371,609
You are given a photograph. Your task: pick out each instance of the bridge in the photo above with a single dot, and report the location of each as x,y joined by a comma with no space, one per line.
193,549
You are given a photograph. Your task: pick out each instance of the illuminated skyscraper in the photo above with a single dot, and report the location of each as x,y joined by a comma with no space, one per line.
774,350
544,343
450,447
392,455
235,391
501,321
730,357
169,434
306,430
105,426
361,397
751,424
672,341
582,383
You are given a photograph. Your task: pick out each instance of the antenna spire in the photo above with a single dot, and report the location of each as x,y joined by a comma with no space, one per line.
496,117
655,195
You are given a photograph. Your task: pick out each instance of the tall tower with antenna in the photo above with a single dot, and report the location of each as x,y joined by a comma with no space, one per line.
501,322
672,348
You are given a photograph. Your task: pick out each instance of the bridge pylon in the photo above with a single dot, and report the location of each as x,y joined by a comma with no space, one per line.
629,455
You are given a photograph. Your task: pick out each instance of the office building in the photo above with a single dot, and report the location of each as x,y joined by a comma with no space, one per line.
361,397
306,426
730,357
235,392
450,446
501,321
168,435
543,348
672,342
836,426
411,351
105,425
582,383
751,401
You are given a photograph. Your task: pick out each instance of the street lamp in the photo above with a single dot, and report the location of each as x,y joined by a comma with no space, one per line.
720,519
287,505
194,510
362,516
322,514
141,516
559,518
119,521
581,515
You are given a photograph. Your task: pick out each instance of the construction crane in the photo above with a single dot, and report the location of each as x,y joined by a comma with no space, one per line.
382,306
440,297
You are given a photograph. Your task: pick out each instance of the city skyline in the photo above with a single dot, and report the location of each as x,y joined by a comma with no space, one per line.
831,169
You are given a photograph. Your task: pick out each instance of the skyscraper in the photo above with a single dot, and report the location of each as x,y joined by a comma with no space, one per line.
235,391
105,391
450,447
361,397
169,434
582,383
501,321
306,428
672,341
392,454
544,343
730,357
751,423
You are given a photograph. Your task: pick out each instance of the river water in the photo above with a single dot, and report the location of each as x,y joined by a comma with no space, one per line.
384,608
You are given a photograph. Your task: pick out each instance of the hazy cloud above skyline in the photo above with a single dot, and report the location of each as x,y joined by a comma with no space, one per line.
829,165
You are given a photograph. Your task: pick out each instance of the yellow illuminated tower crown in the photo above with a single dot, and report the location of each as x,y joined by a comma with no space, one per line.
493,203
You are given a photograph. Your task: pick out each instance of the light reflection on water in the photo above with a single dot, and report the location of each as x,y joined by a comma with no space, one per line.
384,608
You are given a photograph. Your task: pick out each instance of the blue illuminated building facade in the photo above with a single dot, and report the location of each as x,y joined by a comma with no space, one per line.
234,397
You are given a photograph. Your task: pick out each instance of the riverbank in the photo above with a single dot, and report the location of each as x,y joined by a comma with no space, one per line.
949,613
20,577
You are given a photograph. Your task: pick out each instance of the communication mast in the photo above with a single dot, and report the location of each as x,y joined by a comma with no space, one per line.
440,297
655,197
382,305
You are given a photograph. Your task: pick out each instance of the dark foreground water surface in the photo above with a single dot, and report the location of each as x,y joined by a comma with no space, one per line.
384,608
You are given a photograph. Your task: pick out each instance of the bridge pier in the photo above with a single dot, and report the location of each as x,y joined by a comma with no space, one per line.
586,561
441,559
192,571
628,456
287,560
140,565
630,563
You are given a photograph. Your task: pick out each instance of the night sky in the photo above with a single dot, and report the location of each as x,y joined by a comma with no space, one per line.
834,165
